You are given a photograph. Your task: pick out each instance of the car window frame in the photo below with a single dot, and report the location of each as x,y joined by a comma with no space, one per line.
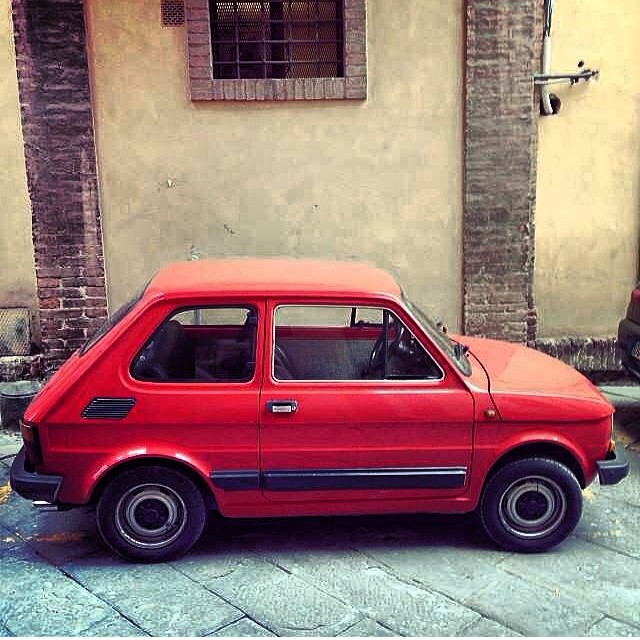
371,305
199,381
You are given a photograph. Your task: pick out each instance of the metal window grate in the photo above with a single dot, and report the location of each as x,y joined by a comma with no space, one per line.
15,335
277,38
172,13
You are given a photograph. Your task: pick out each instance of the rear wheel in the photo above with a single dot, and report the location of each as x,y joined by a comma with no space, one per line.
531,505
151,514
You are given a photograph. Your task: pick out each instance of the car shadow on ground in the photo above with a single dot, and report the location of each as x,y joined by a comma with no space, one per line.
68,536
223,535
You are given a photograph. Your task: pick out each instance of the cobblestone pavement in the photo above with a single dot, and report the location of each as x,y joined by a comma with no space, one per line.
364,576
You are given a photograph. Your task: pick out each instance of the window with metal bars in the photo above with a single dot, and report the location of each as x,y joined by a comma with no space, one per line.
277,38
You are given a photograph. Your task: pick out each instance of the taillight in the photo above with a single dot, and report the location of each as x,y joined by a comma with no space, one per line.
29,433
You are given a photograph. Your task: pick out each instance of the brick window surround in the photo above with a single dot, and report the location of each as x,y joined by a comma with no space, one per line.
203,86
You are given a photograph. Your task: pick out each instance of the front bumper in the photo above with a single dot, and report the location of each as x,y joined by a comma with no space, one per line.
33,485
613,468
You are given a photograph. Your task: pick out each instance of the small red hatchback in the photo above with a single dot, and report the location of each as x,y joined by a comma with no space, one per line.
282,387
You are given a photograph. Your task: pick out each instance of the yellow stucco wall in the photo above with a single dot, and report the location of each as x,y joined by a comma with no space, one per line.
17,277
377,181
588,204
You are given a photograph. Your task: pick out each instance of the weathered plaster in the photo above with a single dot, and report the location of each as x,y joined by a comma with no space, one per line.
378,181
17,278
588,197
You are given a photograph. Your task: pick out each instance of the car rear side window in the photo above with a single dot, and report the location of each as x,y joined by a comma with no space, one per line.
203,344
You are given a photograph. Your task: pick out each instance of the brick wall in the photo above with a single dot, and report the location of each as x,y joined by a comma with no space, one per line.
57,122
503,48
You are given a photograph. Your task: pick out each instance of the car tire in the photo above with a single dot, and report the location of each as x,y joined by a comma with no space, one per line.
151,514
531,505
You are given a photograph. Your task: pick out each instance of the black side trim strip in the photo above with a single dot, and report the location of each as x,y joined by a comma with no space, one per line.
236,480
383,478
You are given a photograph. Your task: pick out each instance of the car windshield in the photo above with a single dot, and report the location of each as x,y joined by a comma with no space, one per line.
111,321
452,348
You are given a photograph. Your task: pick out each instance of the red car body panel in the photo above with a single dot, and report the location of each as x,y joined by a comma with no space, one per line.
513,397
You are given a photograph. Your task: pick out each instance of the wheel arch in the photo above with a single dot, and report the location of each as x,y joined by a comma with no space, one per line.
154,461
550,450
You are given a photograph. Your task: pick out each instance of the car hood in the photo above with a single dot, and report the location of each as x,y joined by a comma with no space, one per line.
527,384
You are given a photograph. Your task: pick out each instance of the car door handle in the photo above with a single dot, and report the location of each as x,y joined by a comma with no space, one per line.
282,406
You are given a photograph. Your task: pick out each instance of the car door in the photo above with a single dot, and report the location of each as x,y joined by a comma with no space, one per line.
335,428
196,384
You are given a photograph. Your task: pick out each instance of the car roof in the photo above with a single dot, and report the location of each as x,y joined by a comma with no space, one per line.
271,276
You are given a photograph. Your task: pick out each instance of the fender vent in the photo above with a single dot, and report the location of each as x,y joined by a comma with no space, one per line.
110,408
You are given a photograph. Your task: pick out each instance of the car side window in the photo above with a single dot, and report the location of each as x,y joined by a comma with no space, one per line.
205,344
346,343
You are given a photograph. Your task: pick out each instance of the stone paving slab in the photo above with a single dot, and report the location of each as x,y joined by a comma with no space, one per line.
607,628
485,628
244,628
531,609
612,524
155,597
8,539
368,628
455,571
39,600
9,445
402,606
602,579
281,601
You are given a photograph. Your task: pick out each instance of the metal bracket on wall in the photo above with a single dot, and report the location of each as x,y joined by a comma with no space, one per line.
550,103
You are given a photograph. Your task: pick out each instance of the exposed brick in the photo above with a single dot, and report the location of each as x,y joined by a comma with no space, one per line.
57,124
502,52
50,303
95,313
78,323
69,292
49,282
72,304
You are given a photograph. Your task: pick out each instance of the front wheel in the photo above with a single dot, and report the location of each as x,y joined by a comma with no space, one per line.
151,514
531,505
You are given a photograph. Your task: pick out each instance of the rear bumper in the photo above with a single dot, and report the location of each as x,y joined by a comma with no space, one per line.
33,485
613,469
628,336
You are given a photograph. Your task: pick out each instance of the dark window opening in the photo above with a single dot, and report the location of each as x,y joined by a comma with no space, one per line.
277,38
341,343
203,344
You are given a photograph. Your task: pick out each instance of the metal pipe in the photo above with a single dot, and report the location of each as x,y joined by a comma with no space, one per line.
546,58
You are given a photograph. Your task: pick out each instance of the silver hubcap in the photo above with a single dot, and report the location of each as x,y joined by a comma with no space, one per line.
532,507
150,516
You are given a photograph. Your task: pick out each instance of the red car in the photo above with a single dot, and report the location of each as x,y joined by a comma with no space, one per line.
280,387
